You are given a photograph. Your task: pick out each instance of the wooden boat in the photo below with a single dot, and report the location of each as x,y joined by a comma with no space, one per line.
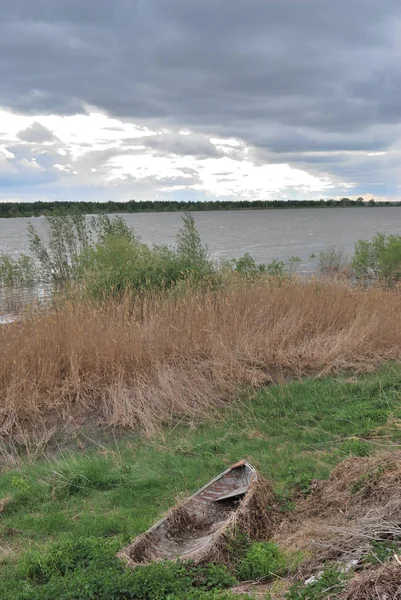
194,529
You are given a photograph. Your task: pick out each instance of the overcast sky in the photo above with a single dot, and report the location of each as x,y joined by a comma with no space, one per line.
194,99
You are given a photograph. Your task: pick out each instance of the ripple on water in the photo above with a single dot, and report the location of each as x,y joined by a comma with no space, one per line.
15,299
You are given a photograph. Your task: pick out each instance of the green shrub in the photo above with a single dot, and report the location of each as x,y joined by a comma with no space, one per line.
262,560
103,227
247,267
117,264
102,257
276,268
378,259
59,253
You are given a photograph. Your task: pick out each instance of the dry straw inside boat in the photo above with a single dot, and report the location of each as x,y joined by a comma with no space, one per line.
202,528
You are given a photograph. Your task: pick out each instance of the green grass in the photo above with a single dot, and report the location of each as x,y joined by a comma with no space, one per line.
112,492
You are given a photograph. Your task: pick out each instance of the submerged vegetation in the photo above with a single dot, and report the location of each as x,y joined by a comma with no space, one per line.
103,257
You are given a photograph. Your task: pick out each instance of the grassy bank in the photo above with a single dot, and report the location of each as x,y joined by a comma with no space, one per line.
146,362
68,514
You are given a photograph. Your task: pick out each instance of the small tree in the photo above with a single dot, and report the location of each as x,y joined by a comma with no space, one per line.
68,236
68,239
189,243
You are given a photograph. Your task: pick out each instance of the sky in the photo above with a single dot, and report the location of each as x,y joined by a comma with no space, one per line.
200,99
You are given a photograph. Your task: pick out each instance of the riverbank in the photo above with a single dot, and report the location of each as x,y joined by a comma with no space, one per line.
151,369
64,516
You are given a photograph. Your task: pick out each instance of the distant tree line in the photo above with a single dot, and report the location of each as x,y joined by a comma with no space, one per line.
36,209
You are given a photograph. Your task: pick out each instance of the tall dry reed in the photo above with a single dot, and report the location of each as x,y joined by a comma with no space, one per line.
142,363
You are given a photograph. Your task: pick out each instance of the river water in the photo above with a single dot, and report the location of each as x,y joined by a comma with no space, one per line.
265,234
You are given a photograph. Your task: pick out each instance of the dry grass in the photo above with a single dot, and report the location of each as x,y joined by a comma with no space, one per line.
380,583
142,364
360,503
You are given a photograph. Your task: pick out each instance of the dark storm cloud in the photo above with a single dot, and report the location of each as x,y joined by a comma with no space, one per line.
285,75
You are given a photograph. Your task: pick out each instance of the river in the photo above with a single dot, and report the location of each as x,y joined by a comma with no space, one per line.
265,234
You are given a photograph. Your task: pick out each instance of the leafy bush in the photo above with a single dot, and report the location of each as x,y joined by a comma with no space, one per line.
103,227
117,264
68,237
105,257
276,268
102,257
263,559
333,261
246,265
378,259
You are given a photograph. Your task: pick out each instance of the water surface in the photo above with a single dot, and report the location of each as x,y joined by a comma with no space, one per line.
265,234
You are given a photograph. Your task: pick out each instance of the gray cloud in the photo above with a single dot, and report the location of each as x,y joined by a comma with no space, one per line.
197,145
37,134
289,77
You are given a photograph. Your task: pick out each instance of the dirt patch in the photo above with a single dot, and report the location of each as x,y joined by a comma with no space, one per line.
360,502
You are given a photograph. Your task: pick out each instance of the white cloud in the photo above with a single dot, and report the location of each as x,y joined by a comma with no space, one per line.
4,153
30,165
130,160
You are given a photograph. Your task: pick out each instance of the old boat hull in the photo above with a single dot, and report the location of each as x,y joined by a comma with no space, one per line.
193,527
